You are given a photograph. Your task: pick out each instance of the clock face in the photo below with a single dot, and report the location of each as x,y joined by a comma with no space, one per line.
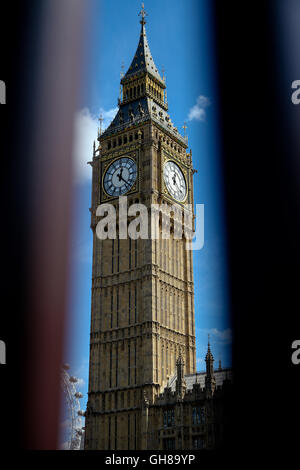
120,176
175,181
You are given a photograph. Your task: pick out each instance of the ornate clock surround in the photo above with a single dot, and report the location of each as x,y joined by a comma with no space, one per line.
110,158
166,157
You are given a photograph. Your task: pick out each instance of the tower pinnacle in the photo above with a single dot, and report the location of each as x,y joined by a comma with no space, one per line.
143,60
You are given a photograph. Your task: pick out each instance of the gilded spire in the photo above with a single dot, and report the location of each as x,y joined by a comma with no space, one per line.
143,13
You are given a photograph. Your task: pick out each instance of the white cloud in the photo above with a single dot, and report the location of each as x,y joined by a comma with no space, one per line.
86,131
198,112
84,135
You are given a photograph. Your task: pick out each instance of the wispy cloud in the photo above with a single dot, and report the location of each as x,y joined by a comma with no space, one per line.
198,112
200,361
218,336
86,127
82,373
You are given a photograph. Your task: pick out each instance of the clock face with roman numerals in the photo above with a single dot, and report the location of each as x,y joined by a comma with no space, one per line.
175,181
120,176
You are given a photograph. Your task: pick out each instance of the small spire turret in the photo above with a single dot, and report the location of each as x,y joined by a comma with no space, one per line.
210,381
100,127
180,382
220,363
184,127
121,76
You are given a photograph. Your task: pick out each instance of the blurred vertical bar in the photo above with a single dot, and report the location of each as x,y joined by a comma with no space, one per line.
62,28
288,37
258,50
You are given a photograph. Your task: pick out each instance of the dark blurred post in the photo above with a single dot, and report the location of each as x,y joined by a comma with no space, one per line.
59,54
258,51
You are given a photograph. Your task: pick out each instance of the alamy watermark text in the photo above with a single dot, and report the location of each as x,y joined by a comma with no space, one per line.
160,220
2,92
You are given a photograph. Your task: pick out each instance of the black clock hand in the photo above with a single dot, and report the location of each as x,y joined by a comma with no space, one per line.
126,182
120,174
175,182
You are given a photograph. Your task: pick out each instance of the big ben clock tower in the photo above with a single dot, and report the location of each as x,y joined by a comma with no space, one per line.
142,312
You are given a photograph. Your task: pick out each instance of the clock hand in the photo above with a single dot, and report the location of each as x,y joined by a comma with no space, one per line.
179,190
126,182
120,174
174,181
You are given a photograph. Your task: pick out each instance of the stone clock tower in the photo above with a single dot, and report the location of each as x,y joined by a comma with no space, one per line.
142,312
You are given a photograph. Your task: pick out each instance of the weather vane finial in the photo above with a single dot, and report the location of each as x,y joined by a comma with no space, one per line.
143,13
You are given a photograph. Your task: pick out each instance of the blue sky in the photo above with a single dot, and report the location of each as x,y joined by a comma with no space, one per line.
181,41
